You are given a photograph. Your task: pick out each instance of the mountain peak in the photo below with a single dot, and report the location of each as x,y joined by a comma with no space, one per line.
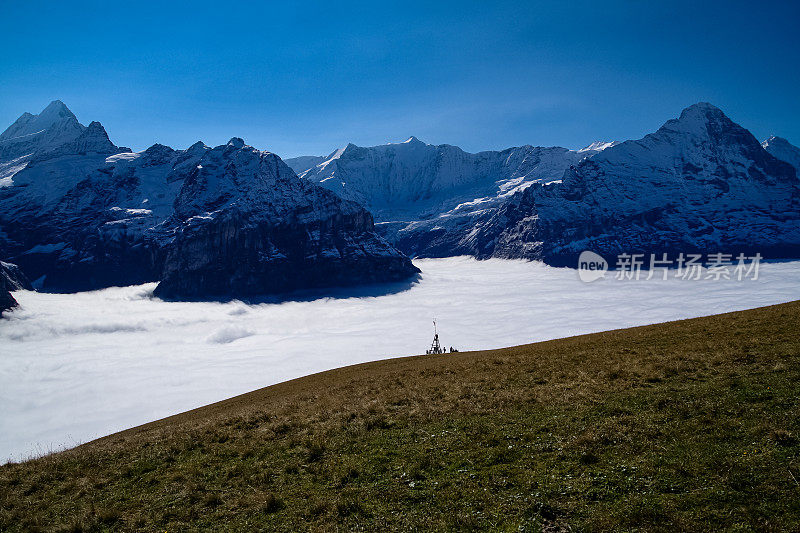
236,142
96,127
56,105
708,106
95,137
54,125
702,111
197,148
341,151
54,111
706,121
158,148
91,139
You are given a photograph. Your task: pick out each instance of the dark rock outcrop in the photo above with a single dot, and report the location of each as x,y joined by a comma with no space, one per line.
246,225
11,279
7,302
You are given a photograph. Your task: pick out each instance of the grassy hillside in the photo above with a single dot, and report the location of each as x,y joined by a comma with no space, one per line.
688,425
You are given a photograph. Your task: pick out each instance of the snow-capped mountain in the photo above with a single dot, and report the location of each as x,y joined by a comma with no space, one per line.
701,183
54,126
244,224
78,212
783,150
427,198
85,214
413,180
52,132
75,219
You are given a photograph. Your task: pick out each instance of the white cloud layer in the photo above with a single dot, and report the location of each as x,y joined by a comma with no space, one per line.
74,367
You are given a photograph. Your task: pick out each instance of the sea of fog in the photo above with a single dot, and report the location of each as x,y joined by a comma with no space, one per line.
74,367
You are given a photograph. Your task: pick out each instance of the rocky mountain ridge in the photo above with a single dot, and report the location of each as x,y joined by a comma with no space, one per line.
78,212
85,214
700,181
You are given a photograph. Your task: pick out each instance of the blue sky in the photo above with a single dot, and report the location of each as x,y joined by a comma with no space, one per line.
307,77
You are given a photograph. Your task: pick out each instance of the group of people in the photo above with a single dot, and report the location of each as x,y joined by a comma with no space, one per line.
435,346
437,350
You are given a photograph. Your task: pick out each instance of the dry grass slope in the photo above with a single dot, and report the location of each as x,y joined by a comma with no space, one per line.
687,425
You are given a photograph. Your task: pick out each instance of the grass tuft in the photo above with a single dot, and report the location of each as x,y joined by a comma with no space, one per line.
783,438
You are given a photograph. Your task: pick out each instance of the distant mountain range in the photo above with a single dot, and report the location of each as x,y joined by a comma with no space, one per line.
700,183
78,212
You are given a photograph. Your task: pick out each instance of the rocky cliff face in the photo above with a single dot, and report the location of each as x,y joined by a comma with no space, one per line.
11,279
700,183
7,302
245,224
85,214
